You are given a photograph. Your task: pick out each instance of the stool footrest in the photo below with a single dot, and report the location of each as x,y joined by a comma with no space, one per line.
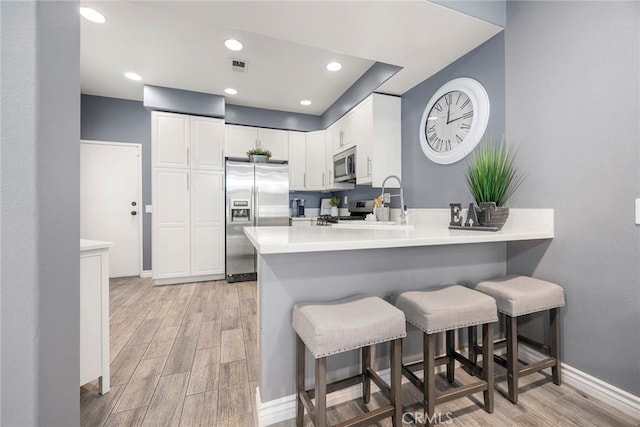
475,369
339,385
461,391
413,379
308,404
537,366
534,344
368,418
382,385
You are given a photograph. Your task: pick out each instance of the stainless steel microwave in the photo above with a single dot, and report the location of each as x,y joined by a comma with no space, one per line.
344,166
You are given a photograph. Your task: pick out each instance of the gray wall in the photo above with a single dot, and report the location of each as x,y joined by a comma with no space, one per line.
183,101
427,184
121,120
377,74
274,119
39,196
572,106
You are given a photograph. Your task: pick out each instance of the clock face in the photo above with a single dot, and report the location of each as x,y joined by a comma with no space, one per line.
449,121
454,120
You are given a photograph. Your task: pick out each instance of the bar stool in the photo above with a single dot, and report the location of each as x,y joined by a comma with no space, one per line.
339,326
517,296
441,310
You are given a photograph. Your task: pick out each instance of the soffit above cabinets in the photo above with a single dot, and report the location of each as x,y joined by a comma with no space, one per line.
287,46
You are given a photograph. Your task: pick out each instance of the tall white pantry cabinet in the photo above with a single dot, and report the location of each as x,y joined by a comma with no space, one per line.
187,198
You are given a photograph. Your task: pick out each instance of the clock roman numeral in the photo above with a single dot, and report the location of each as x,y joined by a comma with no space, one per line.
448,144
447,99
465,126
438,107
459,139
459,95
465,103
467,115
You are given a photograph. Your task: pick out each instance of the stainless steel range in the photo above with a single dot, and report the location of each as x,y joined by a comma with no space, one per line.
358,210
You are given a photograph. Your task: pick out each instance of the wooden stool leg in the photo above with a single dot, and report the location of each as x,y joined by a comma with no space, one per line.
487,365
321,392
473,339
554,324
396,381
300,376
429,392
511,327
451,347
365,354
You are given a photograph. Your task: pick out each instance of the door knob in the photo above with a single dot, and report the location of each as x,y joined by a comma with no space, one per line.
134,213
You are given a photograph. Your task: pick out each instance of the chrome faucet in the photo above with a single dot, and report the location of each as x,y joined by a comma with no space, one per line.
403,213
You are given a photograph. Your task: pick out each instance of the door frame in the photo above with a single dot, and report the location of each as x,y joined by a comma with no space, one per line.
138,146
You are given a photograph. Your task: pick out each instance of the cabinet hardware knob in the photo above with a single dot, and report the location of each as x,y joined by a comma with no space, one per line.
134,213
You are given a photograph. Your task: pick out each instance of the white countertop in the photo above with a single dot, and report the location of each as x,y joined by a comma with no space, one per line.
304,218
430,229
88,245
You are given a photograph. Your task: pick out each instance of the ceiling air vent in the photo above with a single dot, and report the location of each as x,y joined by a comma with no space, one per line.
239,65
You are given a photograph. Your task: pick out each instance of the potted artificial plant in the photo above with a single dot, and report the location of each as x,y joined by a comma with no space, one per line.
259,155
334,202
492,178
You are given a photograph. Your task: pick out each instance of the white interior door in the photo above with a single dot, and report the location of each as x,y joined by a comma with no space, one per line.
110,202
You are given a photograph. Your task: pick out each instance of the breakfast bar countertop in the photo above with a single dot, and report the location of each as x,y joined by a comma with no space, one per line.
430,229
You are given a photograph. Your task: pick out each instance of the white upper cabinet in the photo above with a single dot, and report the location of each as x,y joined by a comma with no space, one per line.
276,141
315,170
378,135
207,143
343,132
241,139
181,141
170,133
297,160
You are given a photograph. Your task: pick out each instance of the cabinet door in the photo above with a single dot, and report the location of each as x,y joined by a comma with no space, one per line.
328,160
315,160
207,143
363,130
297,160
334,132
207,222
348,130
171,223
240,139
170,140
276,141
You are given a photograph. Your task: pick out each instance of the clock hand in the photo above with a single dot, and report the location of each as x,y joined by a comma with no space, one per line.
448,113
451,121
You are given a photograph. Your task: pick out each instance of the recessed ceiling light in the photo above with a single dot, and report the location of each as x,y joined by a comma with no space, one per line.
230,91
334,66
92,15
233,44
133,76
305,102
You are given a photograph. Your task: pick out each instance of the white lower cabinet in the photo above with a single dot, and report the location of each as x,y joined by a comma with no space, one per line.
207,222
171,223
188,239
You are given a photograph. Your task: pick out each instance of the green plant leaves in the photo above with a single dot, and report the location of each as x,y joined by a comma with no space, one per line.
491,175
258,152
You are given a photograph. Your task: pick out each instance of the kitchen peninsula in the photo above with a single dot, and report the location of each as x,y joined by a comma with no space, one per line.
312,264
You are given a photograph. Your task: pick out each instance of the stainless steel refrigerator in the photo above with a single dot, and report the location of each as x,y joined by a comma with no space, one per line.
257,194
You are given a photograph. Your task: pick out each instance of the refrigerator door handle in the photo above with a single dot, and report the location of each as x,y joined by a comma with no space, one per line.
256,206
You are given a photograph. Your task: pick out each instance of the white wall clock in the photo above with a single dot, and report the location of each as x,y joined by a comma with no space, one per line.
454,120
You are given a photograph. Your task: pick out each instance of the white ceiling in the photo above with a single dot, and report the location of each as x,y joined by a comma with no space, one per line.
287,45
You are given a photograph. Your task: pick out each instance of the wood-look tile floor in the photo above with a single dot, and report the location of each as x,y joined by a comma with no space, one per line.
186,355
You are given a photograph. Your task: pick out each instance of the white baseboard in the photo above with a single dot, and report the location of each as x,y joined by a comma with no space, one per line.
284,408
594,387
146,274
275,411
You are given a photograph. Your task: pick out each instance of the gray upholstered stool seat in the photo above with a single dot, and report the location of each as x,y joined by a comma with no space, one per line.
446,310
452,307
518,296
334,327
348,324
